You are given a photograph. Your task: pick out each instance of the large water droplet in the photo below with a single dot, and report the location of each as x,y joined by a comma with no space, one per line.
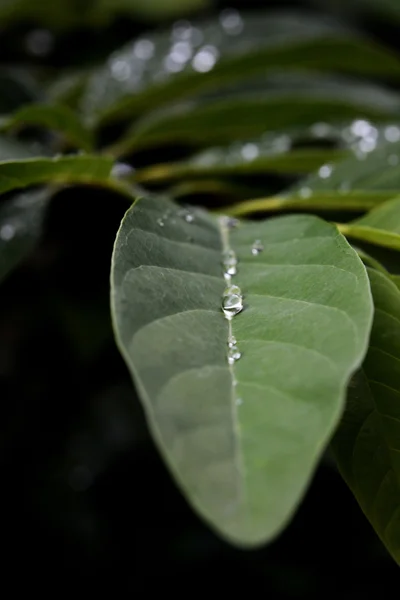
229,222
233,355
257,247
250,151
232,305
233,289
325,171
230,262
7,232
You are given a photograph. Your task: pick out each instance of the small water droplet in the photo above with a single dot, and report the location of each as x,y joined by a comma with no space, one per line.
121,69
305,192
233,355
231,21
232,305
320,130
229,222
121,170
160,222
7,232
205,59
257,247
250,151
393,160
392,133
325,171
185,214
230,262
143,49
239,401
231,341
181,52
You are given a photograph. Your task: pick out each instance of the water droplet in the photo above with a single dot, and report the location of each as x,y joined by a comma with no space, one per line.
233,355
305,192
393,160
250,151
205,59
325,171
231,21
181,52
231,341
232,305
143,49
184,213
230,262
121,170
39,42
238,401
171,65
233,289
320,130
160,222
121,69
257,247
392,133
7,232
360,128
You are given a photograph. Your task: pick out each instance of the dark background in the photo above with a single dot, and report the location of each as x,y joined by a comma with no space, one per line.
86,501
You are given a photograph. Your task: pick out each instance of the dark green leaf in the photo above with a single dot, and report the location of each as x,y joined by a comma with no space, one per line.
155,70
54,117
367,443
21,222
242,438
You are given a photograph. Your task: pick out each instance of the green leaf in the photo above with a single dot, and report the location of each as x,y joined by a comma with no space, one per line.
242,159
85,169
21,223
367,443
365,180
154,70
54,117
244,115
242,439
381,226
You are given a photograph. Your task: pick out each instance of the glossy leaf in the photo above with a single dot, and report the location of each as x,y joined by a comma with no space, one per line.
54,117
161,68
242,438
85,169
21,223
367,443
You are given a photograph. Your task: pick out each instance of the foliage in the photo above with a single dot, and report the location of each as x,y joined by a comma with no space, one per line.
253,336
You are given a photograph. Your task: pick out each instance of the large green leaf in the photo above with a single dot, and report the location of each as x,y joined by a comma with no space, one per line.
367,443
241,427
238,116
160,68
381,226
51,116
21,223
85,169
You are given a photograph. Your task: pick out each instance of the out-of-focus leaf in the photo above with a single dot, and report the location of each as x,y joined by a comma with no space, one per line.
161,68
241,427
68,88
83,169
243,115
151,10
11,149
381,226
55,117
358,183
367,443
21,222
18,87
